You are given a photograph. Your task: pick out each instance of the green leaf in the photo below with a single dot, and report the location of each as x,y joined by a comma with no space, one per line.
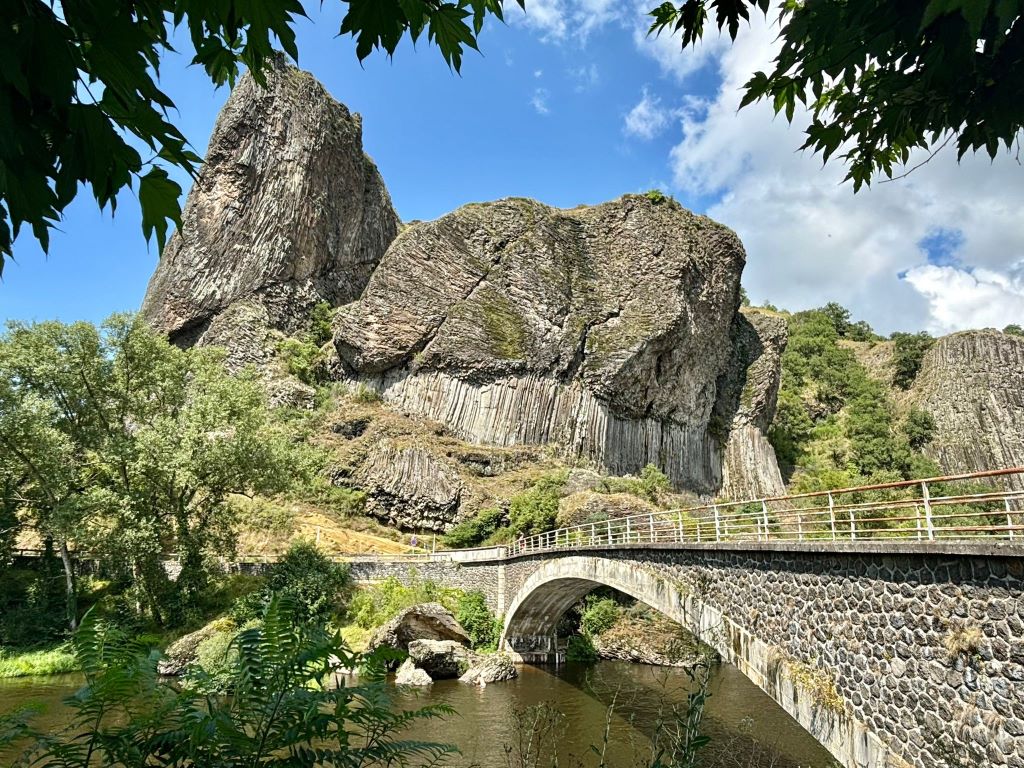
158,197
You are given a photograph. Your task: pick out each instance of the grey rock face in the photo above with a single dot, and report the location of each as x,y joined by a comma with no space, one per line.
494,668
287,211
972,383
441,659
427,621
603,329
748,393
410,488
410,674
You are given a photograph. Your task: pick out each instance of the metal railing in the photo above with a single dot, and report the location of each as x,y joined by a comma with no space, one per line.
968,507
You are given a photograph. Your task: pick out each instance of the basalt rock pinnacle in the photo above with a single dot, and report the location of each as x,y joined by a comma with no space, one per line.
287,212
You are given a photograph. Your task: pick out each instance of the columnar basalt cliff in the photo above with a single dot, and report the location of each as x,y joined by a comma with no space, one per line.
608,331
972,383
288,211
602,329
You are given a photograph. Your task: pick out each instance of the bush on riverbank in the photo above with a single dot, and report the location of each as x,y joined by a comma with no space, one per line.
40,661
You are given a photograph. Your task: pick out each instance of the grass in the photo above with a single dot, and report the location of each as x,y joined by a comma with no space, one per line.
41,661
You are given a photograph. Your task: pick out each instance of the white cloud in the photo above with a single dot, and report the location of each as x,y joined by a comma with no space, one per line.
557,20
540,101
587,76
538,73
667,49
810,240
648,118
981,298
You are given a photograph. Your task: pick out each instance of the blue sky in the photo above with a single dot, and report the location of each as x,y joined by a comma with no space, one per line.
570,104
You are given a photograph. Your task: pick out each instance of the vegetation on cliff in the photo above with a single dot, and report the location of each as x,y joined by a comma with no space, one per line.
837,425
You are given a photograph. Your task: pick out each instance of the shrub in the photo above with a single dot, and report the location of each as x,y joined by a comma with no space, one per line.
301,359
919,427
306,576
1014,330
581,649
534,510
483,628
320,319
650,484
656,196
908,352
475,530
599,615
375,605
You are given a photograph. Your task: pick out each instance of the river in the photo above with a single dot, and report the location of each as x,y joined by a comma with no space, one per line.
747,728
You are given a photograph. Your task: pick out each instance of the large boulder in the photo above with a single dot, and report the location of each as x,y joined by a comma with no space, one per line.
409,674
493,668
441,659
287,212
426,621
601,329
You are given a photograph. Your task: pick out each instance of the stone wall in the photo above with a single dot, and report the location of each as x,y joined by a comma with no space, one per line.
889,655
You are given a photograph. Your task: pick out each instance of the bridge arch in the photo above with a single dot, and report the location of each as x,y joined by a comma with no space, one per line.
558,583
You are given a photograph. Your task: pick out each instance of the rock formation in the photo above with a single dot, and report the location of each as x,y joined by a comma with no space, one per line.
287,211
748,393
972,383
409,674
607,331
601,329
441,659
493,668
427,621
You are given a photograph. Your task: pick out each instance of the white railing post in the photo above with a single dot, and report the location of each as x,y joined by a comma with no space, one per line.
1009,519
609,531
927,511
629,532
799,525
650,522
853,527
682,535
917,521
593,534
764,514
718,524
832,515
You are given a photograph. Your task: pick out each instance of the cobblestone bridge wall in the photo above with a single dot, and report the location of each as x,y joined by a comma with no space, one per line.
890,657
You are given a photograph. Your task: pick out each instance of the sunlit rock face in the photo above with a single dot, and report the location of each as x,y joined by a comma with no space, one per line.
287,211
601,329
972,383
609,332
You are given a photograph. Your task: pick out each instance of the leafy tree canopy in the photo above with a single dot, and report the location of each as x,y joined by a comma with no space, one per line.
883,77
79,93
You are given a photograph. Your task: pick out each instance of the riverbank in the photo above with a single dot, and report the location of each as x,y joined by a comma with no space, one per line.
35,662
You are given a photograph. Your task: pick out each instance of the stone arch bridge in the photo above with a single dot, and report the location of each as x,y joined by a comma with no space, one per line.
889,653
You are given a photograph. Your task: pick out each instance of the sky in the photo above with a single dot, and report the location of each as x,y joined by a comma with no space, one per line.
572,103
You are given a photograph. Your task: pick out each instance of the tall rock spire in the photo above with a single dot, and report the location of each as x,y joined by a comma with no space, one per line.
287,211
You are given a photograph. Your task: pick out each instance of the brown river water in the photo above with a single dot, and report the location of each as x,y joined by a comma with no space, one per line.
747,728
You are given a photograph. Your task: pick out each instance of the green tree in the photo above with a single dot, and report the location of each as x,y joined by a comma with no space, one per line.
883,77
1014,330
534,510
908,352
82,104
143,443
919,426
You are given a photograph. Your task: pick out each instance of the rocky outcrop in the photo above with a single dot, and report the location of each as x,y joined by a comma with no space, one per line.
426,621
972,383
748,393
409,674
493,668
183,652
643,636
287,212
604,331
601,329
441,659
409,487
591,507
